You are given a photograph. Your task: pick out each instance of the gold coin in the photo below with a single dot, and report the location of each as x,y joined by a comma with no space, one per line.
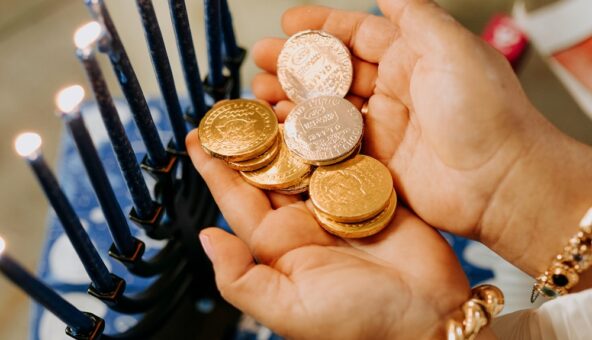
296,189
352,191
362,229
283,172
238,130
313,64
258,162
323,130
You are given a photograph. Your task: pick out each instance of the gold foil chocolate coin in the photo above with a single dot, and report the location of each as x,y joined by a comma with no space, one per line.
313,64
296,189
352,191
285,171
323,130
362,229
238,130
259,161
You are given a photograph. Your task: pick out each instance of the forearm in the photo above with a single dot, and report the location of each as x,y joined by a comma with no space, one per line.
486,334
538,206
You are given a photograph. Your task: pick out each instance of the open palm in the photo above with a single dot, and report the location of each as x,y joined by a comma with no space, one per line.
306,283
445,111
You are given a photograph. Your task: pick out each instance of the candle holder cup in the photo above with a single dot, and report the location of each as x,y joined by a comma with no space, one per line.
221,92
95,334
234,64
151,227
162,289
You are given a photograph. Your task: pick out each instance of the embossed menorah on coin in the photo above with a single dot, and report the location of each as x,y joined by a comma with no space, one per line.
179,204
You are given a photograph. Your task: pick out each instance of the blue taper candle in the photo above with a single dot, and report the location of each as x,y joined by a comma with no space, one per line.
128,81
214,42
233,54
28,145
230,47
162,68
85,39
188,57
68,102
41,293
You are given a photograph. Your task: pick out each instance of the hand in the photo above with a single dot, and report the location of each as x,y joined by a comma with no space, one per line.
404,282
468,152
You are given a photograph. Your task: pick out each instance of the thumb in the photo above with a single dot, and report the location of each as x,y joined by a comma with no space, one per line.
256,289
426,25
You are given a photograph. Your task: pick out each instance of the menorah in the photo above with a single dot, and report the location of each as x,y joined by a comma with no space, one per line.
180,204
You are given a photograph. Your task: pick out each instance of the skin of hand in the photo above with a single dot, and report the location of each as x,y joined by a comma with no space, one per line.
467,150
283,269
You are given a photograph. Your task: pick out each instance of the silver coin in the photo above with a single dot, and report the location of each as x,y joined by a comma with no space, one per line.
323,130
314,64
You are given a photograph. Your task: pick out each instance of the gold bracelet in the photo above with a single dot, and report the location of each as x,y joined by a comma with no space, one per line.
564,272
487,302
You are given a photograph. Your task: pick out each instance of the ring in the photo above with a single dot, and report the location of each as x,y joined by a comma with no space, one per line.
364,109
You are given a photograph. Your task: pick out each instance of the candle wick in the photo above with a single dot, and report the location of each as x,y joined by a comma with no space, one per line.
85,53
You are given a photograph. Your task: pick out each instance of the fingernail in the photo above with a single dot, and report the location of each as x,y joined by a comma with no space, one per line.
207,245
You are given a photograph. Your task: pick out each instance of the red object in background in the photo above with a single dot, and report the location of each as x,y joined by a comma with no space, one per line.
502,33
577,60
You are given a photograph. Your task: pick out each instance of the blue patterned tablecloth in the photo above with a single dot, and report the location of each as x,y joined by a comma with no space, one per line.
62,270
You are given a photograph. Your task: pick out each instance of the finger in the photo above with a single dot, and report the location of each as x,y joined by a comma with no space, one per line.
363,83
367,36
257,290
267,87
356,100
378,125
280,200
243,205
364,80
283,108
415,18
265,53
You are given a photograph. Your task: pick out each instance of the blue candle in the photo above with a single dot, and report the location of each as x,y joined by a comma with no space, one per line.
214,42
68,101
28,145
44,295
188,58
233,55
230,47
162,68
126,76
85,39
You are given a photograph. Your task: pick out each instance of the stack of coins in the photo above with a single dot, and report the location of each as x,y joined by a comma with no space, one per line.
244,133
316,149
354,198
287,173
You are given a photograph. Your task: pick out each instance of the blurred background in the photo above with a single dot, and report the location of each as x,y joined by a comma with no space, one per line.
37,57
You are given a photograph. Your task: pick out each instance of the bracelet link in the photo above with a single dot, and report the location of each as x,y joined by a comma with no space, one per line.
565,269
486,303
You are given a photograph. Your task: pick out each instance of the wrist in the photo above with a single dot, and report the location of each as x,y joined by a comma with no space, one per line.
473,318
486,334
538,207
585,281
